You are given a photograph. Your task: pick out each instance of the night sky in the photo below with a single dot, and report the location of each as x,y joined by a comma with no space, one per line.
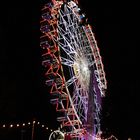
23,94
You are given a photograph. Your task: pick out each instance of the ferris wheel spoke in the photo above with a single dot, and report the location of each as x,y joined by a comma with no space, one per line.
72,43
71,81
68,26
78,104
79,90
79,99
67,62
66,49
75,37
68,13
63,38
62,21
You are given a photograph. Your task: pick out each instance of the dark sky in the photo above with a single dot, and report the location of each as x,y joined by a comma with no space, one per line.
23,94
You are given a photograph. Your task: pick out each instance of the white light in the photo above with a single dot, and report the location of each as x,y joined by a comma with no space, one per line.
23,124
85,68
17,125
29,123
11,125
3,125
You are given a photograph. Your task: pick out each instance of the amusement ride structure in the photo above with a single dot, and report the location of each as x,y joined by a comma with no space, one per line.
74,69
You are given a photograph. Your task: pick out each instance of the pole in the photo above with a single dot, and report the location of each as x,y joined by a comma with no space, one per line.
33,127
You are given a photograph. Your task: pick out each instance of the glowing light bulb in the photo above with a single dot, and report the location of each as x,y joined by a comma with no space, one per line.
11,125
3,125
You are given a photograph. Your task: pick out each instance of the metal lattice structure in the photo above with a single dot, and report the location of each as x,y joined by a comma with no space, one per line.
74,69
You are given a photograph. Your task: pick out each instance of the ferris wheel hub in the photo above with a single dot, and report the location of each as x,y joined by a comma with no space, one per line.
82,71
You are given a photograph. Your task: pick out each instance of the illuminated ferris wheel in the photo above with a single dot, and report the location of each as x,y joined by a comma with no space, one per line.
74,69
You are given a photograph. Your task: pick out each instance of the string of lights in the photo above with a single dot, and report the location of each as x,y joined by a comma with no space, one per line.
25,124
28,124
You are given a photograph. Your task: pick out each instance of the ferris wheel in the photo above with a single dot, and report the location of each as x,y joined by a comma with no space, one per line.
74,69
